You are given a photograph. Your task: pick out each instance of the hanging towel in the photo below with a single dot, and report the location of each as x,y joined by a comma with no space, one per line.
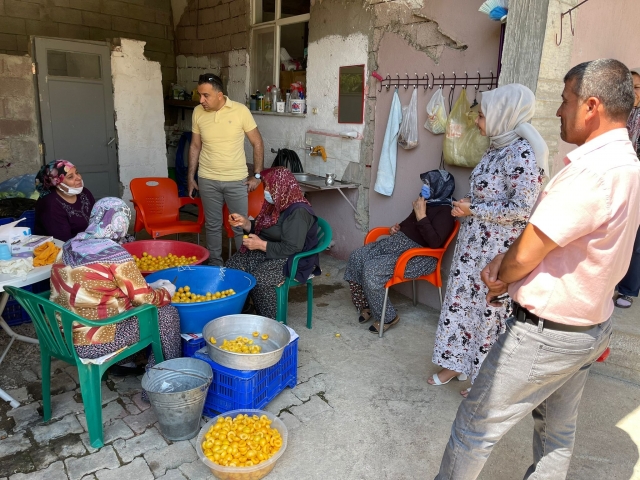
386,178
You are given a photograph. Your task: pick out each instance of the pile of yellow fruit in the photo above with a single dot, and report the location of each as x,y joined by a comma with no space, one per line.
243,441
240,344
185,295
148,263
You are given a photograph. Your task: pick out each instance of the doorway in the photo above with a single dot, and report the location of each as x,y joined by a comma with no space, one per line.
76,109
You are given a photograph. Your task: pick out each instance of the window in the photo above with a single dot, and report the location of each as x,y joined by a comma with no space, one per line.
280,35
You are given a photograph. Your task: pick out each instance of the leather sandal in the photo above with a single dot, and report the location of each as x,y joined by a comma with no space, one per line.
365,316
375,327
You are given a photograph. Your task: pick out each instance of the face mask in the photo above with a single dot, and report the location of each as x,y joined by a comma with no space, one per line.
425,192
267,197
72,190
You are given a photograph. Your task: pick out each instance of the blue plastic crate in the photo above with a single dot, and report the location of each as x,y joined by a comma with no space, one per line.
29,220
190,347
253,389
13,312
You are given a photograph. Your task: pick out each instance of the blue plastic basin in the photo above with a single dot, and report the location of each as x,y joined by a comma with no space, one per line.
203,279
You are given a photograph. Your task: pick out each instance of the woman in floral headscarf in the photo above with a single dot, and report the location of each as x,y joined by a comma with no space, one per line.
98,279
66,212
286,225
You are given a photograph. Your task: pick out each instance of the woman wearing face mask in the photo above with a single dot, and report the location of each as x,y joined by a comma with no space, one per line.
286,225
504,187
370,267
64,206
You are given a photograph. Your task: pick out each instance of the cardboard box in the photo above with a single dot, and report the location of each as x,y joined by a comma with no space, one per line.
28,244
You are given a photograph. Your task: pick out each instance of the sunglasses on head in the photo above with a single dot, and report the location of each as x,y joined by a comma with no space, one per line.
210,78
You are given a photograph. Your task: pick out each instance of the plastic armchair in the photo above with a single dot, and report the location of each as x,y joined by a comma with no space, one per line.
157,206
256,198
282,292
434,277
59,344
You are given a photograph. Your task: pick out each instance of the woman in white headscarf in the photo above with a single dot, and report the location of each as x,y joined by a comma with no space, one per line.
504,188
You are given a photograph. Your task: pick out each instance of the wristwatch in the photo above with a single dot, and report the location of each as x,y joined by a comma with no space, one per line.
257,175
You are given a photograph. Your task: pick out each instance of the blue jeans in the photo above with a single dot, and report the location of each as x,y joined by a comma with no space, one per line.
534,370
630,284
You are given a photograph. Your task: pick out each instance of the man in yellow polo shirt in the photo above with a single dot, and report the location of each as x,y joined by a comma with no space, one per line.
219,126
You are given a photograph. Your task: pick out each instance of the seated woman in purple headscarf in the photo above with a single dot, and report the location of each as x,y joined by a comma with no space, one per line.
64,206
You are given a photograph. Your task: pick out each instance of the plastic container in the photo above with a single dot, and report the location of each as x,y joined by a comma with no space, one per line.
177,389
297,106
163,248
249,388
255,472
190,347
194,316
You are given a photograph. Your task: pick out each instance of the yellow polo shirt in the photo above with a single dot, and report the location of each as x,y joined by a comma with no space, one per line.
222,156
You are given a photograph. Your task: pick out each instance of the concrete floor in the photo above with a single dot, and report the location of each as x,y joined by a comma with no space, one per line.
362,409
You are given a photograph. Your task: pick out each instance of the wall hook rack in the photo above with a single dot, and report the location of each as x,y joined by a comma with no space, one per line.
488,81
568,12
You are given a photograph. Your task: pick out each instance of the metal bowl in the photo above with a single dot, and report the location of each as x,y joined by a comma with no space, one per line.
232,326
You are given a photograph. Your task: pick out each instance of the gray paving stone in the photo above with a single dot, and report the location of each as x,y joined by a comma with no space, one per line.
138,470
173,456
79,467
20,394
132,408
141,404
29,376
116,430
110,413
54,472
290,421
3,434
196,470
129,386
108,395
313,408
149,440
72,371
25,416
45,433
172,475
139,423
14,444
64,404
62,382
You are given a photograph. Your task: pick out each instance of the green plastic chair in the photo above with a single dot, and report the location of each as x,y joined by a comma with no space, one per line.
282,292
54,344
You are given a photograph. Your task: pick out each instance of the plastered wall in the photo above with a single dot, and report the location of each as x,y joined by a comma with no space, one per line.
445,37
138,104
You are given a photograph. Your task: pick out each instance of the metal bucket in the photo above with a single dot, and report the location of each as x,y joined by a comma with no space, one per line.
177,390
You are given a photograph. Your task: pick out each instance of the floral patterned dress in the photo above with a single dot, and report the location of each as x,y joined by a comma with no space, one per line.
504,188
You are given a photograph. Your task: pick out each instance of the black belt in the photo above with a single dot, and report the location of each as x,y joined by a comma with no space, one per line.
523,315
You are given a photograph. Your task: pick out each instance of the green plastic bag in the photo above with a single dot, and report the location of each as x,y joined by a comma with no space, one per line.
463,144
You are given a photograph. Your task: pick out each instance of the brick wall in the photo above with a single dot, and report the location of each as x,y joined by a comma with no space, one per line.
214,28
100,20
18,125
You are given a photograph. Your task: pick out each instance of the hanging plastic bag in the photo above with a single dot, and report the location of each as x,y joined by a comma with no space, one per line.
436,114
408,135
463,144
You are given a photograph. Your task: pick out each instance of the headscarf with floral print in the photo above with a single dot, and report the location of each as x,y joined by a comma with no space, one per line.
99,243
284,190
52,175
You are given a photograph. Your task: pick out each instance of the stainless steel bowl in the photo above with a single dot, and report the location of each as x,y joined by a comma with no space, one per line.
232,326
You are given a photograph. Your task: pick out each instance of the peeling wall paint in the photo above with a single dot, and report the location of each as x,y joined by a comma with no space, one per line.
139,110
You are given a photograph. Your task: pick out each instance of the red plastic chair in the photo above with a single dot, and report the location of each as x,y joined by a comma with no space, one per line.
158,208
256,198
434,277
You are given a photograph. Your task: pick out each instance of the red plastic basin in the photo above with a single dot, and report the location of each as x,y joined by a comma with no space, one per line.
165,247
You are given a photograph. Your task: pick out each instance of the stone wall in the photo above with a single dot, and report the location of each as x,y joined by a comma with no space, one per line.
138,105
18,123
100,20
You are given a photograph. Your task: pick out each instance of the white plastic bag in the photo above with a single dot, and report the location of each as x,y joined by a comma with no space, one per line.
436,114
408,135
